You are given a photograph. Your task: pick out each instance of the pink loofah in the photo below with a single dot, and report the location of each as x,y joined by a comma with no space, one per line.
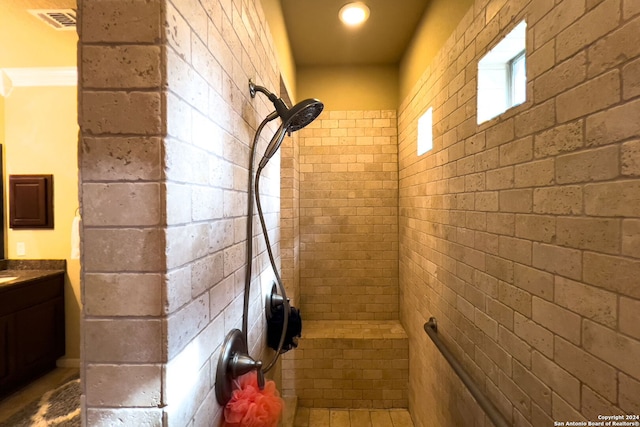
251,407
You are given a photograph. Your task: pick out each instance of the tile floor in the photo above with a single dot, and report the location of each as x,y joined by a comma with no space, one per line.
317,417
304,417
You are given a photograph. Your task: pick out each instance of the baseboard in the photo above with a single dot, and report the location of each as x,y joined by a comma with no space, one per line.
65,362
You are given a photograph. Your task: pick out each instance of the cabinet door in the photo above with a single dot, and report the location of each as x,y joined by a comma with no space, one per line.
37,334
5,348
31,201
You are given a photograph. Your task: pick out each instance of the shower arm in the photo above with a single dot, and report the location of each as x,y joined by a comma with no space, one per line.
253,88
278,103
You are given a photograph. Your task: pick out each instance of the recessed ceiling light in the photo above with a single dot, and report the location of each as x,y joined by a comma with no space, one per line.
354,14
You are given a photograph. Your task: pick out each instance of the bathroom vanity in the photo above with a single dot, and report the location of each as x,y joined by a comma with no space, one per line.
32,328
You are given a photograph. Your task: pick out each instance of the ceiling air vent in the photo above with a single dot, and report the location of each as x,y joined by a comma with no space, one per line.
59,19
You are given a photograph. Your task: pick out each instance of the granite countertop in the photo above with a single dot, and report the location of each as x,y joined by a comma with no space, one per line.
33,264
15,272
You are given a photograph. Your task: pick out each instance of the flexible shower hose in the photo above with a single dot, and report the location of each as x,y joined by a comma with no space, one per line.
247,285
283,293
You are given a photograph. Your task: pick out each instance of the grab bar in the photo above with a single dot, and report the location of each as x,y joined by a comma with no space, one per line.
431,328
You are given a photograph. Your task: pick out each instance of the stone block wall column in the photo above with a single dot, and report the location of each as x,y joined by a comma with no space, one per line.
166,123
122,206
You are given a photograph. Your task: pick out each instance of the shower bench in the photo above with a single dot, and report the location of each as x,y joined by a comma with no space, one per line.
349,364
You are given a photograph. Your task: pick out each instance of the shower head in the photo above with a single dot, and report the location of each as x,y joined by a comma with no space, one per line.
293,119
301,114
296,117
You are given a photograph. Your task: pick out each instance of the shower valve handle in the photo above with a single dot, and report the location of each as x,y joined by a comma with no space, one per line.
243,363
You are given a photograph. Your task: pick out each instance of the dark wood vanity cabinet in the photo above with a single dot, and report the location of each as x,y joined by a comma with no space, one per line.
31,329
5,326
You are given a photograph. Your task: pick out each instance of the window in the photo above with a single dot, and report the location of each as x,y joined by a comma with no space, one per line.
517,79
425,132
502,76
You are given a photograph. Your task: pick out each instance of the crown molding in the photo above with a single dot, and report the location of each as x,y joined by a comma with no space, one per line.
36,76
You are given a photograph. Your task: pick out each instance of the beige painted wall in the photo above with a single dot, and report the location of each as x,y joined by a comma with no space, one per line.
286,63
40,136
27,42
1,121
350,88
440,19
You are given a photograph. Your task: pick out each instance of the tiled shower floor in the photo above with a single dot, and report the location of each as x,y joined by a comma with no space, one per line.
317,417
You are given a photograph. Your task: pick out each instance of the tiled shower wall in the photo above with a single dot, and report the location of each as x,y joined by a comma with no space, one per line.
290,217
166,122
348,216
521,235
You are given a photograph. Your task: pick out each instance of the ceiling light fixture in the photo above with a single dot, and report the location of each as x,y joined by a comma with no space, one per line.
354,14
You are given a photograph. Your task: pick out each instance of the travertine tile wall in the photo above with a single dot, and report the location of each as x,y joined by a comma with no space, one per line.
290,217
348,216
121,196
166,123
521,235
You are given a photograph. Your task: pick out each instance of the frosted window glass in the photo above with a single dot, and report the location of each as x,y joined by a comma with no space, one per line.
502,75
425,132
